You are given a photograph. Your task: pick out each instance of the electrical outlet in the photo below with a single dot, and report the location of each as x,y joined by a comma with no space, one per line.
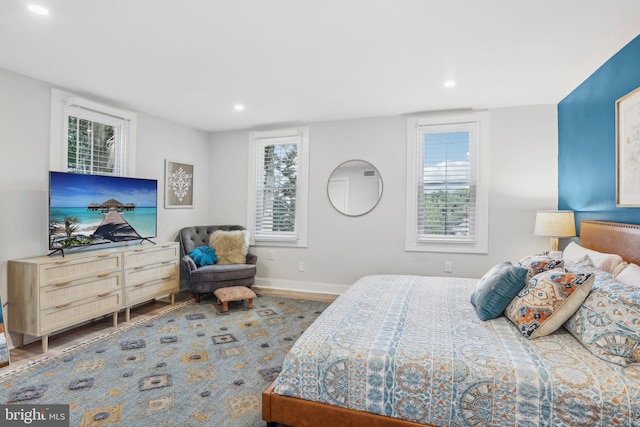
448,266
300,265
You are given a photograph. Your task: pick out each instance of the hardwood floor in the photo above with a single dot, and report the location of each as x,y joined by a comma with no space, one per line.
85,332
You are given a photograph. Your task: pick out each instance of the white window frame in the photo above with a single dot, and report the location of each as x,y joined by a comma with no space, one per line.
480,156
64,104
257,140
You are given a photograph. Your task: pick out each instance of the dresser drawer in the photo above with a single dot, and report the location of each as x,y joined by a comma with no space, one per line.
136,276
150,255
74,290
70,269
69,313
149,290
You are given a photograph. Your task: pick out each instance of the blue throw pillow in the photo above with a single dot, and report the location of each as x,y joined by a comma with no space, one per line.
497,288
203,255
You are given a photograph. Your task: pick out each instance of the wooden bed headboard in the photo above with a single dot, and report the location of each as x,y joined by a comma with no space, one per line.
612,238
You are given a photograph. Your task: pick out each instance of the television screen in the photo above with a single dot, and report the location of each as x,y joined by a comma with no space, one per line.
89,210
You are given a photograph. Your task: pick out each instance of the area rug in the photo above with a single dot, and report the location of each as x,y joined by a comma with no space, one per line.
189,366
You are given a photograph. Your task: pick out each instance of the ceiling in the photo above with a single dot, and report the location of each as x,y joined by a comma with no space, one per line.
291,61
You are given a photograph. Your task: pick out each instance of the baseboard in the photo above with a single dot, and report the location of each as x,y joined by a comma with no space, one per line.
297,289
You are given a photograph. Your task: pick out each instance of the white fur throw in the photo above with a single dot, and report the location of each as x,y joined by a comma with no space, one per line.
231,246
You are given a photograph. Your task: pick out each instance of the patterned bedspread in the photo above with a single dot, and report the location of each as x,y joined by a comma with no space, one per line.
413,348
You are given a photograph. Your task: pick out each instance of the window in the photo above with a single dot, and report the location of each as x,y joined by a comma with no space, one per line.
447,196
278,187
91,138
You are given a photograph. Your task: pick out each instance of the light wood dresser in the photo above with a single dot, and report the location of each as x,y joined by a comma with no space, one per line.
51,293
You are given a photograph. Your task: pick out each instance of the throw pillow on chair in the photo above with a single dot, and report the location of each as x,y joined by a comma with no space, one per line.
231,247
203,255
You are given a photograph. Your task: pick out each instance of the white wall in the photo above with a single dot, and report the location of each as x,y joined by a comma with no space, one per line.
341,249
24,166
159,140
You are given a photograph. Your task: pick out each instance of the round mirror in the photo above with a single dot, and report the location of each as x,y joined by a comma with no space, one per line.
354,187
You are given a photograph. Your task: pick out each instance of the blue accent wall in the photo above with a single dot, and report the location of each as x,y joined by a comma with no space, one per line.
587,140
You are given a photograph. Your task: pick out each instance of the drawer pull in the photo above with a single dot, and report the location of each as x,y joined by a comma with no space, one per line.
104,294
138,250
63,305
138,285
63,261
140,267
103,255
104,274
169,261
68,282
167,278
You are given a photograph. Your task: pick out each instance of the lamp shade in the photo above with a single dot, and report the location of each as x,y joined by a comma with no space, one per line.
555,224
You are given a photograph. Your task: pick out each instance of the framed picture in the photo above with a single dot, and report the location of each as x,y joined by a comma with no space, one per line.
178,184
628,150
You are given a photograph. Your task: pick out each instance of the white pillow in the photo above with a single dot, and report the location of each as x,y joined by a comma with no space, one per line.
606,262
619,268
630,275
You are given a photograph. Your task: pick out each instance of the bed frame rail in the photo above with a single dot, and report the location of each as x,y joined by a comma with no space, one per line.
305,413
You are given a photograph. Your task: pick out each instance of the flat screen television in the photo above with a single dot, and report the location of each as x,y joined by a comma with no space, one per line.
87,210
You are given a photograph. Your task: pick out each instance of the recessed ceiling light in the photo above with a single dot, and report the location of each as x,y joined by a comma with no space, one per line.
238,107
38,10
449,83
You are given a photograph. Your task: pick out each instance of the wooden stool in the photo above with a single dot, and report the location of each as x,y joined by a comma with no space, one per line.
234,293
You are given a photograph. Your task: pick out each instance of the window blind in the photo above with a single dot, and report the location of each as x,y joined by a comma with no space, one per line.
276,188
91,147
447,203
95,142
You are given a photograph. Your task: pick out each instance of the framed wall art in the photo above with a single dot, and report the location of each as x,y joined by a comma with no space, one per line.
628,150
178,185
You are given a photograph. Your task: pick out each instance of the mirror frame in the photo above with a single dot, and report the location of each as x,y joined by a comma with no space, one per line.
380,191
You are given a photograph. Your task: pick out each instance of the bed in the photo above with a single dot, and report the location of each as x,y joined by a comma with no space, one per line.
411,351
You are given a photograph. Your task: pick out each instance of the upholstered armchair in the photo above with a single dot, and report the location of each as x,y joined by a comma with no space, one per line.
208,278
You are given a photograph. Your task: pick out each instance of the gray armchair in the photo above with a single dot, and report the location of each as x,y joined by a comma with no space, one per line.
208,278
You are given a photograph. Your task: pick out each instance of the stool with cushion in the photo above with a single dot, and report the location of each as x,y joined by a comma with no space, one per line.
234,293
228,271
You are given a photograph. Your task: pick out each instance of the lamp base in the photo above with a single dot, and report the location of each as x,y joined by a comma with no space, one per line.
554,244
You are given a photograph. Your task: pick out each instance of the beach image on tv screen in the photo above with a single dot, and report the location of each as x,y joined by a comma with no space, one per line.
96,209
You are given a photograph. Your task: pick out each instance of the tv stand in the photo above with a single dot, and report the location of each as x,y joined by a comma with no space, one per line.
49,294
56,251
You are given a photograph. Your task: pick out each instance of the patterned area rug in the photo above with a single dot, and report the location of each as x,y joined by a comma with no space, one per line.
190,366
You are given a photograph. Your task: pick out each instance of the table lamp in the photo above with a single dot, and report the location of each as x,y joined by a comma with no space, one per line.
555,224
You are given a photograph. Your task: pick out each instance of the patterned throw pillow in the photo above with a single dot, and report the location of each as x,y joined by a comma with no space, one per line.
608,322
496,289
548,300
538,263
203,255
581,265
